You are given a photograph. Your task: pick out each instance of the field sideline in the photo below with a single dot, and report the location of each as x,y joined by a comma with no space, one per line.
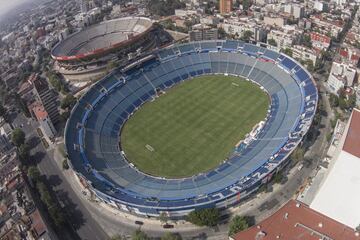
194,126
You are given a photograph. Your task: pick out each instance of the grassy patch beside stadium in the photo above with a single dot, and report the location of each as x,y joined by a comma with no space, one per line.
194,126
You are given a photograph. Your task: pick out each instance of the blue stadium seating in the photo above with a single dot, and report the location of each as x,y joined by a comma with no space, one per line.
92,131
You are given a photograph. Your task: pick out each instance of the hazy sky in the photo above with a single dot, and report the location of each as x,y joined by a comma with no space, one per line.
6,5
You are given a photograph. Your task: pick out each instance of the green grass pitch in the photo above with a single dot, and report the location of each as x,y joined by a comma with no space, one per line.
194,126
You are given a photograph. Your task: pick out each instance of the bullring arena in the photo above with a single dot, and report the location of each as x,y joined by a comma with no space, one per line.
93,134
84,54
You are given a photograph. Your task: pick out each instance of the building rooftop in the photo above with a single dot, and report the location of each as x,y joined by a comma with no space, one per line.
337,197
40,112
352,141
298,221
37,223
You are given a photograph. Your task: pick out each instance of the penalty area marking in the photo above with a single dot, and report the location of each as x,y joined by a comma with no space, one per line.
150,148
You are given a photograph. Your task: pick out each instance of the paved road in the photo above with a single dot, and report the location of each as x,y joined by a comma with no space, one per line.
80,219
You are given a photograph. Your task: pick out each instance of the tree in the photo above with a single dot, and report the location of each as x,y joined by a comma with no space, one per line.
188,24
139,235
351,103
44,193
65,164
68,102
310,65
64,116
57,215
33,173
298,154
278,177
272,42
287,51
204,217
171,236
238,224
163,217
56,82
110,66
246,35
164,7
18,137
316,121
342,103
334,100
222,33
357,228
236,4
306,41
246,4
54,210
24,152
21,104
326,55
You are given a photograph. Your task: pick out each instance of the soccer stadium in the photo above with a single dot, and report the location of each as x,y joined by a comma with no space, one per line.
195,125
87,52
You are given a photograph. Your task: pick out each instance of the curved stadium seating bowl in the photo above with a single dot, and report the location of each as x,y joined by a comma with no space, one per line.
101,38
92,131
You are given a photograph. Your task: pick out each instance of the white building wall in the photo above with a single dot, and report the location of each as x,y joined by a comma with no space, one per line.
48,128
335,84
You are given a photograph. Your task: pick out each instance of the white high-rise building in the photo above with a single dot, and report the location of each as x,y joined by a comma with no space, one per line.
298,11
44,120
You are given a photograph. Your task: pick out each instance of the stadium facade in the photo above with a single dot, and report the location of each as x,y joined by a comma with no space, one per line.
92,131
85,55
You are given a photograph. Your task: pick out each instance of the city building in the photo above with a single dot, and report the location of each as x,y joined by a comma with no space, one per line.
200,34
297,221
237,28
320,41
20,219
10,78
5,135
5,145
184,12
339,2
295,10
305,53
304,24
26,88
281,38
225,6
350,54
274,21
63,34
341,75
298,11
86,5
210,20
321,6
45,123
47,98
337,197
326,26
